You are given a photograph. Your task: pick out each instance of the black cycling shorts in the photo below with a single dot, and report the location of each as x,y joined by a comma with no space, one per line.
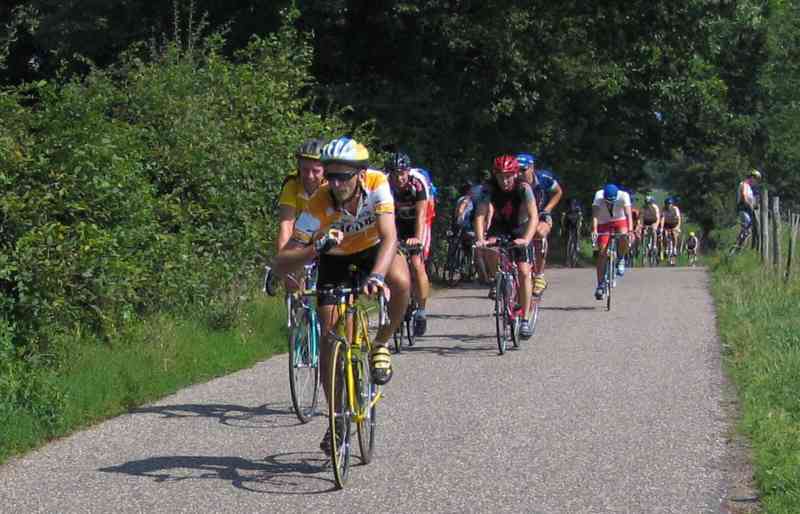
334,271
406,229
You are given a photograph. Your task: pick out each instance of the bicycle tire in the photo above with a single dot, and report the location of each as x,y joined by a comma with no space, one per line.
304,366
411,334
534,317
271,284
452,274
366,391
398,338
609,280
499,313
338,410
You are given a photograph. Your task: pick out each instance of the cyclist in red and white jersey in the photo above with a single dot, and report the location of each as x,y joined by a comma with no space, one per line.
412,207
611,214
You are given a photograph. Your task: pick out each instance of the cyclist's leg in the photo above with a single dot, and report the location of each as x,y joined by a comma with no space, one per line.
421,291
399,281
542,232
603,238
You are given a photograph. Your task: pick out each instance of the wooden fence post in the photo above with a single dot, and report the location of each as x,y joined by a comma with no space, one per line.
764,227
795,226
776,233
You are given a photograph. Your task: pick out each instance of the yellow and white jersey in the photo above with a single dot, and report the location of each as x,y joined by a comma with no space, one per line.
360,228
293,194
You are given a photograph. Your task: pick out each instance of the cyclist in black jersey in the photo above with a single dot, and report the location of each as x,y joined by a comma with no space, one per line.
516,216
411,218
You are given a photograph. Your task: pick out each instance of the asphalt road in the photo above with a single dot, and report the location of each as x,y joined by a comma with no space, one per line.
601,411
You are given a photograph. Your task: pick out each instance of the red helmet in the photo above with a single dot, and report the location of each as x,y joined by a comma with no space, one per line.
506,164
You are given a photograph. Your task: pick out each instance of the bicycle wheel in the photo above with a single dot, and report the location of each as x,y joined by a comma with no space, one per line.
501,320
271,284
367,393
609,279
452,271
398,337
411,335
339,415
304,365
534,317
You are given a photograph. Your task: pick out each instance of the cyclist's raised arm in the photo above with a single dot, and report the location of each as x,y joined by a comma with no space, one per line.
555,198
286,216
480,223
292,257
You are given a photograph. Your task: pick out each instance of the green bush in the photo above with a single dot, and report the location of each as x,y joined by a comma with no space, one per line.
149,186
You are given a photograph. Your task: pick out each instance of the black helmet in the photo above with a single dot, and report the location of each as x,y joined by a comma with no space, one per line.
310,149
397,161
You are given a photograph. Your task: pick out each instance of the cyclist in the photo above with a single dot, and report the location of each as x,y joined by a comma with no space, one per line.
411,218
350,221
651,216
635,233
692,245
572,218
547,192
515,215
611,214
746,199
298,187
671,224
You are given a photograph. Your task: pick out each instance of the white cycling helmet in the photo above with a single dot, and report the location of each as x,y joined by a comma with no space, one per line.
345,151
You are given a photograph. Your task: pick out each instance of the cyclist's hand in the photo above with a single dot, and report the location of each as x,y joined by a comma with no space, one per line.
594,238
521,242
481,243
413,241
545,216
374,285
325,241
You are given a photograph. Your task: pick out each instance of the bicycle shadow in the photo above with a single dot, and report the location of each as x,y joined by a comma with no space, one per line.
481,349
230,415
574,308
282,473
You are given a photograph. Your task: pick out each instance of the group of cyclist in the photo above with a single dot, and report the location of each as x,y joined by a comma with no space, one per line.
348,217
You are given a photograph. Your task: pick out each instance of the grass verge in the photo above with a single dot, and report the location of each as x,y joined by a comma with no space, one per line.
760,331
154,359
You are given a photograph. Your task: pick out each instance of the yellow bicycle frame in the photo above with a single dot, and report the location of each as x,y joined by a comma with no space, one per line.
356,339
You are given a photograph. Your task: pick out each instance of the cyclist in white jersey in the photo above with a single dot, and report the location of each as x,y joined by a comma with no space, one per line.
611,214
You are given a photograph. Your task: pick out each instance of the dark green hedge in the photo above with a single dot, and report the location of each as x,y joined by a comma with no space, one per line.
148,186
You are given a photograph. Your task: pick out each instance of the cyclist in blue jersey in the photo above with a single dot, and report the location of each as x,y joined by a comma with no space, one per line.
547,192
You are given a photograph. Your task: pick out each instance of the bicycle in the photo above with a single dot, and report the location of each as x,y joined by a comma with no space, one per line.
353,394
670,246
610,272
304,333
406,328
650,247
573,249
741,239
460,263
507,313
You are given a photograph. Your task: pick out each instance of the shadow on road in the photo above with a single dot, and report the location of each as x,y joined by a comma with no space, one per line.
568,308
282,473
479,341
231,415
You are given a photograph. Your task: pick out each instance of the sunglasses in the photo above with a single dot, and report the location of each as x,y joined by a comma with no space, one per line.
339,177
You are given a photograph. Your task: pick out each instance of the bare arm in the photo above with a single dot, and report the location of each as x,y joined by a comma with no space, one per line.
422,218
480,221
292,257
554,199
286,216
533,220
388,245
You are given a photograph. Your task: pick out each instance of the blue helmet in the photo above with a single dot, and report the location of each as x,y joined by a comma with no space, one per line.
610,192
670,200
526,160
